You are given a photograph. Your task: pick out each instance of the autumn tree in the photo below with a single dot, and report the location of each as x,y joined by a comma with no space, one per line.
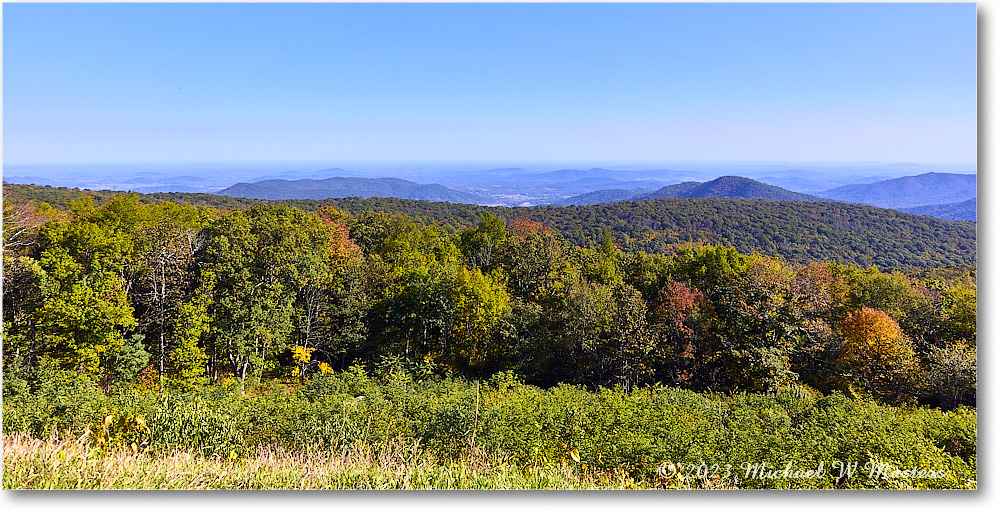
679,322
914,306
819,293
20,225
334,296
876,354
755,318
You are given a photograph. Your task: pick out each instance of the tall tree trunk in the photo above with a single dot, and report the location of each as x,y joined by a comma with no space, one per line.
243,377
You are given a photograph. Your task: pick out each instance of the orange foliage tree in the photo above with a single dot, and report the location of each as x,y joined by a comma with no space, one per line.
877,354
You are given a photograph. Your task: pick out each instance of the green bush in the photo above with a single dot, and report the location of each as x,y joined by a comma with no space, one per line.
46,400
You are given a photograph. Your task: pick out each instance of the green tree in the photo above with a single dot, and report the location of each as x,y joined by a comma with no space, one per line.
625,344
568,347
85,311
188,359
481,303
128,359
482,246
260,259
601,265
167,242
22,297
960,310
357,286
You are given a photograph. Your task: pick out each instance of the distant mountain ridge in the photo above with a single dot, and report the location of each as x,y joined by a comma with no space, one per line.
805,182
909,191
348,187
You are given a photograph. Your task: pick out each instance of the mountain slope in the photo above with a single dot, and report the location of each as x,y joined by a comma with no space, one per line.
961,211
909,191
347,187
732,187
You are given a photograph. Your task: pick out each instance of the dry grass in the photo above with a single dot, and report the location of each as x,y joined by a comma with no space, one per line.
30,463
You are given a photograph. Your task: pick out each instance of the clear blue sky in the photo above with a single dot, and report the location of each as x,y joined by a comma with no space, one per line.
180,82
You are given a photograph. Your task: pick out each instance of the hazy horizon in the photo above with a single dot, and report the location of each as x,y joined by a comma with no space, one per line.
533,166
498,182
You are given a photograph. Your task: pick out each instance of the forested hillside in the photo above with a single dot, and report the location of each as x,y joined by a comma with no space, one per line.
797,231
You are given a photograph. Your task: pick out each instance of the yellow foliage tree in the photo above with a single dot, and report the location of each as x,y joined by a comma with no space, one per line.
876,353
301,356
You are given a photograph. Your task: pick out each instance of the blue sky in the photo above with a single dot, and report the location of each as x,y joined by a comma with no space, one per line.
181,82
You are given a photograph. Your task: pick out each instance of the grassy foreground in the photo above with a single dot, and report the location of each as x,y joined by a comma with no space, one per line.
31,463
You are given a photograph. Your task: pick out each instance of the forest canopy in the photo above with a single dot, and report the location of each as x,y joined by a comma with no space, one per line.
173,295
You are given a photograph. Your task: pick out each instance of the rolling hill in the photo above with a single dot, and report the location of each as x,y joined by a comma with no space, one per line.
350,187
909,191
